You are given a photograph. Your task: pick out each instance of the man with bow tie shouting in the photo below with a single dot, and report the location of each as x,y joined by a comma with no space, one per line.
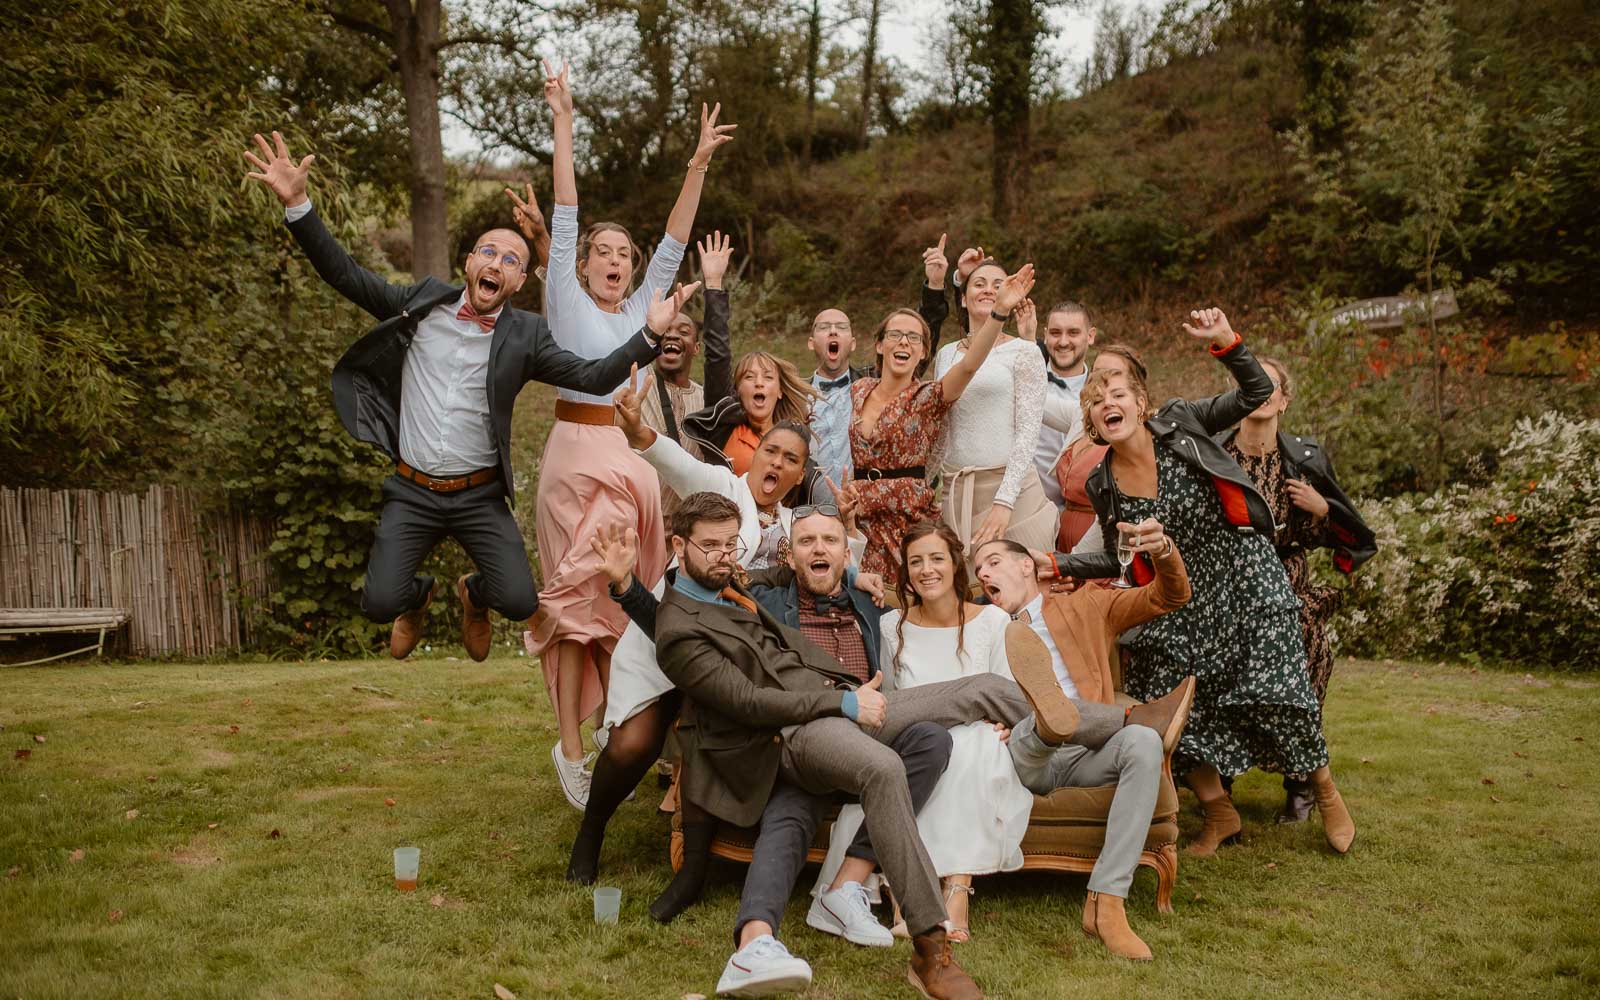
432,385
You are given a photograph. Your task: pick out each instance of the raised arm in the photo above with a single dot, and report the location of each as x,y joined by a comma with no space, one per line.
277,171
558,94
716,253
935,307
712,135
1218,413
704,673
680,471
1012,291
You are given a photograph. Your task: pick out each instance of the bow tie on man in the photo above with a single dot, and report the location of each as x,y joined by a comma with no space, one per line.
1056,380
828,385
466,312
838,600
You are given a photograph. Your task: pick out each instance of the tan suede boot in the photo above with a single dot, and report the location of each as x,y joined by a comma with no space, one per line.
1167,715
1105,917
1222,826
407,630
1337,825
934,971
1055,718
476,632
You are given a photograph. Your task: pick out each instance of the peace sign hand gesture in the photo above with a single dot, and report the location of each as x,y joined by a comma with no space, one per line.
529,219
712,135
628,403
281,175
557,93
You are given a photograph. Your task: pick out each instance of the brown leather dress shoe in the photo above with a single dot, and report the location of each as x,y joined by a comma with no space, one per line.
407,630
1167,715
1055,718
1106,918
476,633
934,971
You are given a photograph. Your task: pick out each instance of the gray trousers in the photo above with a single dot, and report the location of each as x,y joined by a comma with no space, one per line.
1131,760
830,756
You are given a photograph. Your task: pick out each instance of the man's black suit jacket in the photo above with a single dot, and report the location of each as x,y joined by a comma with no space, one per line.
366,381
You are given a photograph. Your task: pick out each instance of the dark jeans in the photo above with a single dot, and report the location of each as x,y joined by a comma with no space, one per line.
415,519
790,821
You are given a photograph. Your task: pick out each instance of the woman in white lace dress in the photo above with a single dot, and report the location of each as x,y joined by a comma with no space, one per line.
974,821
991,489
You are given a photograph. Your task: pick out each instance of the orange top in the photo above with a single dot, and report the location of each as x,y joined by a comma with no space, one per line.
741,448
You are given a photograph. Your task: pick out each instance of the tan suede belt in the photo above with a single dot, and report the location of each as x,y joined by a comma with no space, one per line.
584,413
452,485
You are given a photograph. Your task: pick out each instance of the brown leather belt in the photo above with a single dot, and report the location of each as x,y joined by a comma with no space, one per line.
1078,508
584,413
453,485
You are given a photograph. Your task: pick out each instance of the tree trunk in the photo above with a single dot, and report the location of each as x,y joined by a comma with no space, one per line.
416,47
655,25
813,57
1012,33
869,59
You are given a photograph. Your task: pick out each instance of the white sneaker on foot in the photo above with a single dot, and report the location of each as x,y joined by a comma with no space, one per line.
574,776
761,968
846,912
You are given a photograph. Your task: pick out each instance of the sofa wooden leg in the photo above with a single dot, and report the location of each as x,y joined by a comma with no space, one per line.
1166,866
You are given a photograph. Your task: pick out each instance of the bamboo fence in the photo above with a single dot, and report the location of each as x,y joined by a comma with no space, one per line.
187,572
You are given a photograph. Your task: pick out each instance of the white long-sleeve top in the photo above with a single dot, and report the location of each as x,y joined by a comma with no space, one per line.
575,321
1063,425
996,421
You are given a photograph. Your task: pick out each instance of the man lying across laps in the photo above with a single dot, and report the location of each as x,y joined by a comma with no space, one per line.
767,708
432,385
1060,647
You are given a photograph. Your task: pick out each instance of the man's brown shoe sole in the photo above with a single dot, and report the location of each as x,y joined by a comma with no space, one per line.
1055,718
407,629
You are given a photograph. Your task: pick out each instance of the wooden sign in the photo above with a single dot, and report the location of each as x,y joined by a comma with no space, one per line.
1389,311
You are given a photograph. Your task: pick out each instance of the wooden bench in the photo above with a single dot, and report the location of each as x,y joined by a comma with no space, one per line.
40,621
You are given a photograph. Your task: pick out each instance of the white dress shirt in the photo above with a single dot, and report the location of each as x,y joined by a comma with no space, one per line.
444,390
1035,610
1062,426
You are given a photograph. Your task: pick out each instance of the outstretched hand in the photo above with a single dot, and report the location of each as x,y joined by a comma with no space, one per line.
1013,290
1212,325
281,175
935,265
968,262
712,135
716,251
617,545
664,308
1027,320
557,91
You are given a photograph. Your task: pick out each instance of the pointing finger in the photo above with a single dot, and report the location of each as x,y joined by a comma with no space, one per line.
942,238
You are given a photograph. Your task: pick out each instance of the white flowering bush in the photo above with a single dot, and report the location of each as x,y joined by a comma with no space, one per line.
1507,571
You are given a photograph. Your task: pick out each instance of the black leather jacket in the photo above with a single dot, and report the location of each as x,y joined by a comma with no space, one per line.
1343,531
1186,427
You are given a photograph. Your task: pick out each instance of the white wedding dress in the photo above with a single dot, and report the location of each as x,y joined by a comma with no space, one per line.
974,822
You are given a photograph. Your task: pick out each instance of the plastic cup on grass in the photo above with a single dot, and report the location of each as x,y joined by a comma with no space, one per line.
607,904
406,862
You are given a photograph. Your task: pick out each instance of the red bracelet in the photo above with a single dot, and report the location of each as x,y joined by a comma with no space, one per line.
1218,352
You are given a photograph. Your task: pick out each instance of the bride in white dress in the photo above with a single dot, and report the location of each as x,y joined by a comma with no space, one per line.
974,821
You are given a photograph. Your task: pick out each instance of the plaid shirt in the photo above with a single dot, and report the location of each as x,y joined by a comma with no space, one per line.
836,630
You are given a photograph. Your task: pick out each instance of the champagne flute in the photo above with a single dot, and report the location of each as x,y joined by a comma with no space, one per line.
1124,557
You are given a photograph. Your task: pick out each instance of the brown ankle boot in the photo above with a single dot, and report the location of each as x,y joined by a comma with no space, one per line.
407,630
1222,827
1055,718
1337,825
1166,715
934,971
1106,918
476,633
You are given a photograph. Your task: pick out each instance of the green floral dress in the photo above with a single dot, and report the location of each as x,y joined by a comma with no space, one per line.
1239,635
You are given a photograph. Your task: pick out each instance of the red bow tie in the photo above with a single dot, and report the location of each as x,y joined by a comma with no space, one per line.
467,312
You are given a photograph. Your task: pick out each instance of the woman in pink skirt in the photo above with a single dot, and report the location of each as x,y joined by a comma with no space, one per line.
589,476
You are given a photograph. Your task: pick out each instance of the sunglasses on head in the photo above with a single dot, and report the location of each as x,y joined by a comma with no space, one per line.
825,509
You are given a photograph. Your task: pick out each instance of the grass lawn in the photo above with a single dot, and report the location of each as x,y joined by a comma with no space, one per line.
223,830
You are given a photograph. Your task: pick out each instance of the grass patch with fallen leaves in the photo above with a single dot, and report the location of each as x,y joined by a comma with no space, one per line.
225,831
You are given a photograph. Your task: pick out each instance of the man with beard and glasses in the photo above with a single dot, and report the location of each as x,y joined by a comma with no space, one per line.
773,726
432,386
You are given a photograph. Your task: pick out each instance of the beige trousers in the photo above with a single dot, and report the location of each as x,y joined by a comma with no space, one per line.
969,493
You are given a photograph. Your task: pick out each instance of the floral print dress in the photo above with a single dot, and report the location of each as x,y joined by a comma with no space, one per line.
1300,532
907,431
1239,635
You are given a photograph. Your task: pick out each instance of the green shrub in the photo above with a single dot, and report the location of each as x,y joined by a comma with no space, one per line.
1505,571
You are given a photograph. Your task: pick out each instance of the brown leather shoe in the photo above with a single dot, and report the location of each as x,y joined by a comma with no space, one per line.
1337,825
1055,718
934,972
1105,918
1167,715
476,633
1222,827
407,630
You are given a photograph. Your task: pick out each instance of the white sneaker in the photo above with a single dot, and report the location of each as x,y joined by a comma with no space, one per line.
574,777
846,912
761,968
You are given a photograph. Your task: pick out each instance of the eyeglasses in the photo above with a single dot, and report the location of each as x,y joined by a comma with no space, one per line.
807,509
900,337
489,252
843,326
734,552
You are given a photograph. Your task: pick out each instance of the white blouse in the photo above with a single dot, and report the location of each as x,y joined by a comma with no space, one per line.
996,421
